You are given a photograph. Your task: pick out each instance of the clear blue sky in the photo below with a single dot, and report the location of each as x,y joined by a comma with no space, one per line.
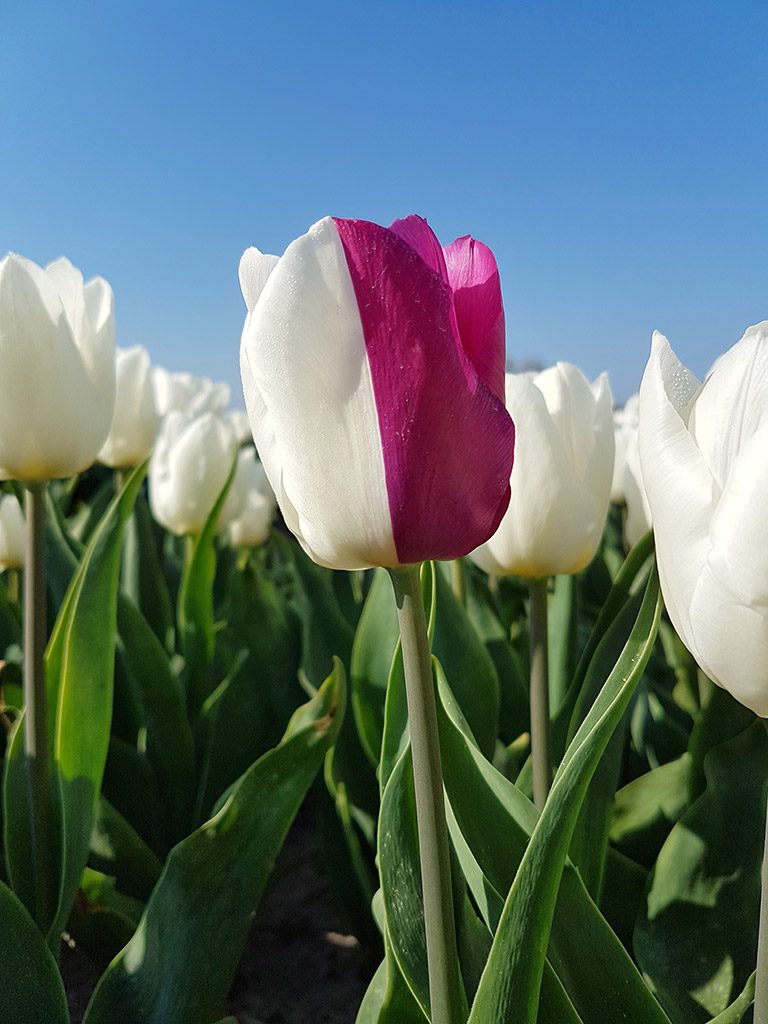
614,155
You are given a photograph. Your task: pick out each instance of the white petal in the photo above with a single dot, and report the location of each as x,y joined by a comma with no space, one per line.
679,486
254,270
309,395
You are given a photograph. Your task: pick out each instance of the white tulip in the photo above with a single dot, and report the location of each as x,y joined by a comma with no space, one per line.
185,393
561,478
704,456
11,533
253,502
637,521
135,420
57,353
188,469
241,426
624,428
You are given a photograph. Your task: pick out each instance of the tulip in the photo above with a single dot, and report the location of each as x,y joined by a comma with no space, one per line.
704,456
253,501
561,479
11,533
188,469
373,368
185,393
135,420
241,426
624,428
57,352
637,521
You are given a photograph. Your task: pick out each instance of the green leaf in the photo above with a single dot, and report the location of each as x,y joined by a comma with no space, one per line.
143,579
496,821
697,937
118,851
563,615
388,999
645,810
511,982
31,991
735,1013
180,963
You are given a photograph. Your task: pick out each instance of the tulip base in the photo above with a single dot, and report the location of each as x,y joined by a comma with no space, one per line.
539,692
35,703
760,1015
446,996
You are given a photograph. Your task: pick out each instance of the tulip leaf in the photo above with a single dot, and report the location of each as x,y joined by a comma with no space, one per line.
195,603
736,1012
511,982
31,991
645,810
143,580
179,965
496,820
388,1000
697,937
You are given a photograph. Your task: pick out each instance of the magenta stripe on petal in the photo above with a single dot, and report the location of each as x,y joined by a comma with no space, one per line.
474,278
447,439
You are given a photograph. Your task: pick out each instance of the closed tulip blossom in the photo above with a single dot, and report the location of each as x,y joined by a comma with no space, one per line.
253,500
637,520
185,393
624,429
188,469
704,455
135,420
561,480
11,533
57,352
372,362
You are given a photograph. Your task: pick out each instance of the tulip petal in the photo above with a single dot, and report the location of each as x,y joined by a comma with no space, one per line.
679,485
416,232
309,394
254,270
447,439
474,278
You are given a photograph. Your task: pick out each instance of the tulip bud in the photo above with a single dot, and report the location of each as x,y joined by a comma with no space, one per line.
704,456
135,421
637,521
185,393
624,428
373,368
561,479
11,533
188,469
57,352
252,509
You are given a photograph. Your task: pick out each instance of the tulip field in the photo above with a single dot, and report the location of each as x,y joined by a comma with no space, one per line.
487,647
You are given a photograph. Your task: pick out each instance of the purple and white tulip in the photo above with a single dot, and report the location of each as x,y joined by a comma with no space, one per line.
372,361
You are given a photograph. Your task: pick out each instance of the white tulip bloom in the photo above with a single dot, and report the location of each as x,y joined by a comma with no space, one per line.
704,456
637,521
185,393
135,420
624,429
561,478
252,500
11,533
188,469
241,426
57,353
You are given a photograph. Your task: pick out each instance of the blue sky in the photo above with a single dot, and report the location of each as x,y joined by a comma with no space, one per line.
614,156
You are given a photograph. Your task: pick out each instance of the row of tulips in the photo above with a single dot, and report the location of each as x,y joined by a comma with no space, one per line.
373,370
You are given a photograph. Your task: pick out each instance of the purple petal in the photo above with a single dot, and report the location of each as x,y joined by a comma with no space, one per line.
417,233
474,278
447,440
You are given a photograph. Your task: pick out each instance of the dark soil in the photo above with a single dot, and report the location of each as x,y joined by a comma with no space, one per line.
298,967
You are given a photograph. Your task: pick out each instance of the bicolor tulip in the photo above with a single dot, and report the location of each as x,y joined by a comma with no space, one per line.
704,455
372,362
57,385
253,501
188,469
135,420
185,393
11,533
561,480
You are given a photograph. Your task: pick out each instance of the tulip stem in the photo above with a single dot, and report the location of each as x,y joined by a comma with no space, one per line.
459,581
539,692
35,709
760,1015
12,581
445,992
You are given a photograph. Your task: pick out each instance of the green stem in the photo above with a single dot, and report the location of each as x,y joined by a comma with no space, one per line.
12,581
35,709
539,692
760,1015
445,993
459,581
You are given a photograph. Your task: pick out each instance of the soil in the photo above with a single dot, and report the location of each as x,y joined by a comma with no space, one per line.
298,967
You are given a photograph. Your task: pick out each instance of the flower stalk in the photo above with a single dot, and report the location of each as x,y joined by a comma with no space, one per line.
35,702
539,692
442,957
761,975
